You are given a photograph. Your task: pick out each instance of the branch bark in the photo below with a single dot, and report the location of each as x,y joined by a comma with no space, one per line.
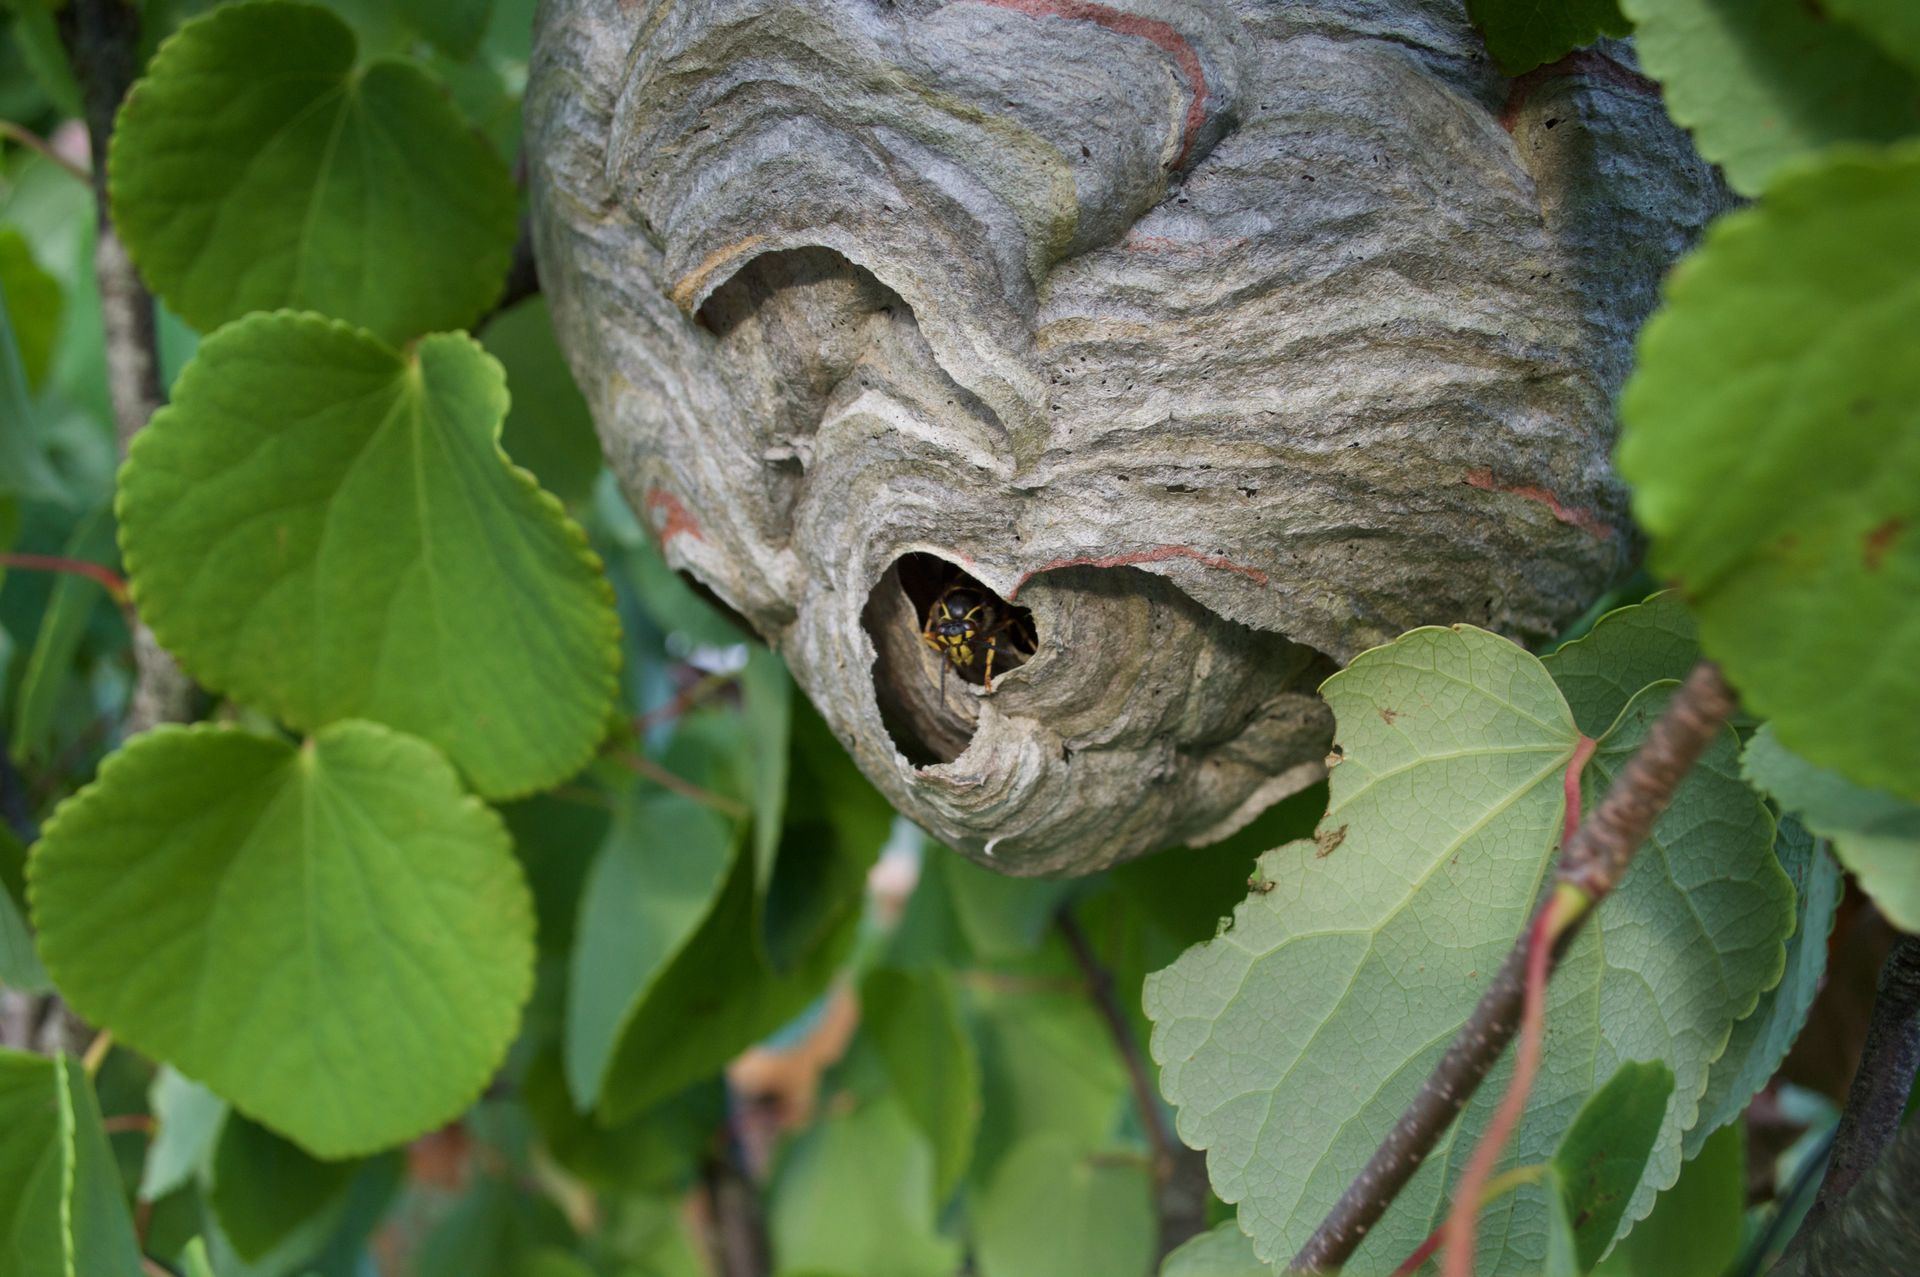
1874,1229
736,1230
102,38
1593,862
1878,1097
1179,1173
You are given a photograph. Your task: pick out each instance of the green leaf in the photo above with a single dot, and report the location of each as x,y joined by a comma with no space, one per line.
454,26
658,877
1058,1209
324,527
1774,443
24,470
61,1210
1874,834
833,825
1604,1153
1522,34
332,936
1627,649
1002,918
1765,82
766,694
1893,24
1759,1042
19,964
650,1015
1290,1042
491,1232
1696,1226
657,1151
190,1117
548,428
264,1187
913,1019
62,626
1225,1251
33,303
1047,1064
855,1195
255,166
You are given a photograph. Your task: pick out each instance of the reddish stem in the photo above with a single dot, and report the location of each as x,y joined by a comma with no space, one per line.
1461,1220
1582,751
108,579
1422,1254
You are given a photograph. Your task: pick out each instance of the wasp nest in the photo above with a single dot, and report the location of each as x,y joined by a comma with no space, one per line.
1199,344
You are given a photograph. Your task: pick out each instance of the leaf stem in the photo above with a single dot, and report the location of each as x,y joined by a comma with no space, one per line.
97,1052
1497,1187
1565,905
645,767
109,580
34,142
1593,862
1181,1206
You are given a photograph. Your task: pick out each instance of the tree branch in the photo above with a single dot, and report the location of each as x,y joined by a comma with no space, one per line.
1878,1097
736,1232
1592,862
102,38
1874,1229
1180,1197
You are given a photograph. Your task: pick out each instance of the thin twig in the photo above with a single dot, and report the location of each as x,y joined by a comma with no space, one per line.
1593,862
646,768
106,577
102,38
1180,1218
34,142
686,699
1877,1100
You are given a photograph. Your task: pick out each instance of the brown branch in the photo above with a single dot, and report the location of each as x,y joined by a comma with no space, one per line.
102,38
1592,862
1180,1201
1877,1099
1874,1229
734,1225
647,769
26,137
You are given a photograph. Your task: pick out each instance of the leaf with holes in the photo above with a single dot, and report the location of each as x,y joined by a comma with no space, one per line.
326,528
256,166
61,1210
1773,439
1289,1043
1766,82
333,936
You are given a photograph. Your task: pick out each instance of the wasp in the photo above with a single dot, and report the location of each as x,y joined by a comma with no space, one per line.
966,627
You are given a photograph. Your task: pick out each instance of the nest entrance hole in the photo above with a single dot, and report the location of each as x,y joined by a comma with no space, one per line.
924,702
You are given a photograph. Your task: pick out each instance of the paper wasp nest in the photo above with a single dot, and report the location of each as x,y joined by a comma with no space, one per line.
1227,338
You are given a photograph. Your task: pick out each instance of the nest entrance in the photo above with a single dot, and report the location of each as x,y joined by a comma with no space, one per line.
921,689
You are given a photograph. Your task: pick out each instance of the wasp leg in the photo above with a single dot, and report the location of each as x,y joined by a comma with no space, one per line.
992,646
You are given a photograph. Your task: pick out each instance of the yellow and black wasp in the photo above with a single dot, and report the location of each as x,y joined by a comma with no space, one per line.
969,626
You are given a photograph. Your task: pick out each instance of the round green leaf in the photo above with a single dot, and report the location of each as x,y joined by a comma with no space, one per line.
1773,438
333,936
256,166
1292,1041
1522,34
326,528
1762,82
